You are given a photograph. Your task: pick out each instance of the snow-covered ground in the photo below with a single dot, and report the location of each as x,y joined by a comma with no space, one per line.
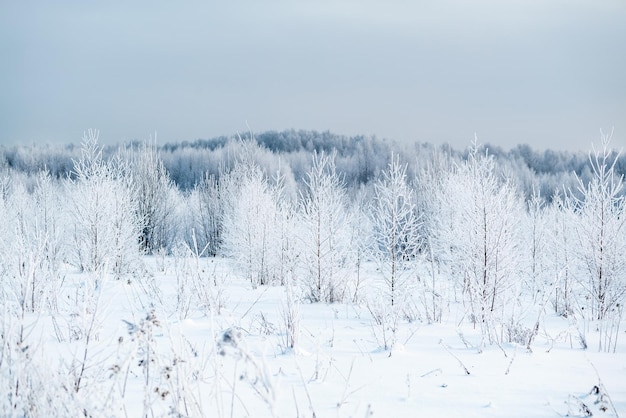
144,356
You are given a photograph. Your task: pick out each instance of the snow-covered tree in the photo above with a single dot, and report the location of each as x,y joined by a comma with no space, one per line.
22,254
478,238
560,252
48,198
600,233
324,232
106,228
360,234
40,221
284,254
535,235
249,230
396,239
206,214
429,182
153,194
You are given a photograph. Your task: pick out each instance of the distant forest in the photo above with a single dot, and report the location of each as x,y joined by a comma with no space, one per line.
358,159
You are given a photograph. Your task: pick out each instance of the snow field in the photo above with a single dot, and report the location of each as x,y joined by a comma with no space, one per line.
235,362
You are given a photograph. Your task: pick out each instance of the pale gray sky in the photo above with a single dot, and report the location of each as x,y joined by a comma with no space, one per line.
548,73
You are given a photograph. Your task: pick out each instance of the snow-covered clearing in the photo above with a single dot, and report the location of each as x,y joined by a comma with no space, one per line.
143,357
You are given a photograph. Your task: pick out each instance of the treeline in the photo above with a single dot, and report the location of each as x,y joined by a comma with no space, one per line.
503,232
359,159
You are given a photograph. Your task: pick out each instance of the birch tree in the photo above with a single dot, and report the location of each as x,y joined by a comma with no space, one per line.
561,218
478,235
324,232
206,203
106,228
153,194
396,240
248,222
536,242
600,233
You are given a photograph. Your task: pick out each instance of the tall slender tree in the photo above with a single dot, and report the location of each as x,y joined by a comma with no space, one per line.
206,215
478,232
155,205
396,240
601,237
324,232
106,227
561,218
249,229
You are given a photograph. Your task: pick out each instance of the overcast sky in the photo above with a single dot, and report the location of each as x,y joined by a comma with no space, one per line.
547,73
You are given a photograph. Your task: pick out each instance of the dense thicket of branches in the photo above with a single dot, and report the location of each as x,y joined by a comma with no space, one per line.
498,229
